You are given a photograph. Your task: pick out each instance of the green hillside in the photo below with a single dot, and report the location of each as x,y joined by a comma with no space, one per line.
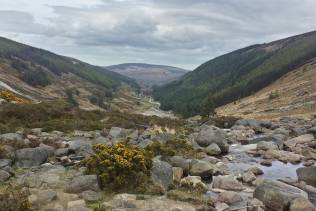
237,74
30,62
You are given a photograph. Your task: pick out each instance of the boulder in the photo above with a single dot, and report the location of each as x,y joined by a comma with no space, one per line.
49,149
213,149
161,173
253,123
179,161
307,174
12,137
202,168
29,157
83,183
264,145
277,195
177,174
193,182
303,139
301,204
309,153
210,134
61,152
229,197
4,176
227,182
117,133
80,147
312,131
248,177
5,162
255,170
91,196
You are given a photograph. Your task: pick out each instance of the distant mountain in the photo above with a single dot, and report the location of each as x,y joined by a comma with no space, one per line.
42,75
148,74
237,74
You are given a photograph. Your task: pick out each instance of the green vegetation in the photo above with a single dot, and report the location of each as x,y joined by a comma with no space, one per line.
236,75
120,167
27,60
14,199
274,94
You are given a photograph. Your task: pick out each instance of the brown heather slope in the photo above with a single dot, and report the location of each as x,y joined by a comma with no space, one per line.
294,95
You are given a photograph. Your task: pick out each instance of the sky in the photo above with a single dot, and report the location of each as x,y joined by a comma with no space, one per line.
182,33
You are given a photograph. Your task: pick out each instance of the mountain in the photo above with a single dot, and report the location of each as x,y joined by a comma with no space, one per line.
294,94
235,75
40,75
148,75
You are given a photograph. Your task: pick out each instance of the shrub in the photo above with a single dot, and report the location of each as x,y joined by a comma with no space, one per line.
14,199
158,148
10,96
120,167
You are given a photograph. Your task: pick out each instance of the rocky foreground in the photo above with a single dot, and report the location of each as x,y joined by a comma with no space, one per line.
232,168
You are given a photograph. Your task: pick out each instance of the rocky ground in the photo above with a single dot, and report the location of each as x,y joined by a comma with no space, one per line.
249,165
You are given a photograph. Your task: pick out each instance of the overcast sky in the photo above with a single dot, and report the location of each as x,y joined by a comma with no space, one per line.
182,33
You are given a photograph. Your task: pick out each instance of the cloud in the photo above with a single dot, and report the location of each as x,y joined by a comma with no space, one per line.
178,32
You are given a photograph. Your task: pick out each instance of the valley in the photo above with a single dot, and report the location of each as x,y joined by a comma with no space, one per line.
78,137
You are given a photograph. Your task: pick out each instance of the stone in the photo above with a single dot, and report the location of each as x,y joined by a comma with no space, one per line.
179,161
11,137
222,207
193,182
308,163
253,123
312,131
307,174
227,182
79,209
116,133
301,204
4,176
50,150
248,177
213,149
5,162
255,205
46,196
80,147
303,139
29,157
202,168
266,162
61,152
264,145
210,134
77,203
229,197
255,170
91,196
83,183
161,173
177,174
277,195
309,153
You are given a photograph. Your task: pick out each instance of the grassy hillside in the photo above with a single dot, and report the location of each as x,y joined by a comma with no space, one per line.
33,63
235,75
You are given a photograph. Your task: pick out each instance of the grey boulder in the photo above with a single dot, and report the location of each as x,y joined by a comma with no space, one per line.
83,183
29,157
210,134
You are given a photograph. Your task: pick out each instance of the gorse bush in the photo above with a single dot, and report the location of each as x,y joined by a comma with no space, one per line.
14,199
119,167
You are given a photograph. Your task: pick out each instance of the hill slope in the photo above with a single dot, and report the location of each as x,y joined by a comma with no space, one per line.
236,74
294,94
148,74
41,74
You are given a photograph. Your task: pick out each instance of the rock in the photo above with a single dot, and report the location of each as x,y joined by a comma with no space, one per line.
301,204
303,139
312,131
248,177
282,156
61,152
263,145
309,163
77,203
213,149
229,197
209,135
307,174
227,182
202,168
46,196
255,205
277,195
179,161
5,162
80,147
79,209
177,174
50,150
266,162
116,133
161,173
221,207
194,182
255,170
4,176
29,157
309,153
11,138
83,183
91,196
254,123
